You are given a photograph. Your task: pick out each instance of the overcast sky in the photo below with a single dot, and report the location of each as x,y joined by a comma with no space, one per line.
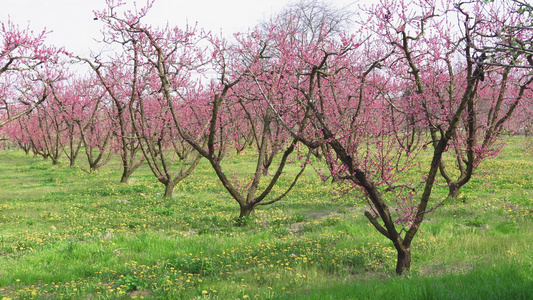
72,24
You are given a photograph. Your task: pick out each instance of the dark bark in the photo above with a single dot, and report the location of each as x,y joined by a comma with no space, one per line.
498,115
169,189
246,211
129,146
73,147
72,161
387,227
453,190
26,147
403,262
126,173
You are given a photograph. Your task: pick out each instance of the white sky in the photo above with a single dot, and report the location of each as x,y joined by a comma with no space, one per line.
72,24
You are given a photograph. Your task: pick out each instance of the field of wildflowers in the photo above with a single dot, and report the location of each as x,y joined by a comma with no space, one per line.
67,234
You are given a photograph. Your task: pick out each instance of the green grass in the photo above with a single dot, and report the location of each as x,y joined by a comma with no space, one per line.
66,234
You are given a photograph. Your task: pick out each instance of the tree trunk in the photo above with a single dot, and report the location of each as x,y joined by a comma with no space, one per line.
125,175
127,170
404,260
453,190
169,189
26,149
246,210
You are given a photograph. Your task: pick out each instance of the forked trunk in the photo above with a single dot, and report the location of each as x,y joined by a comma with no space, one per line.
169,190
404,261
125,177
126,173
453,190
246,210
127,170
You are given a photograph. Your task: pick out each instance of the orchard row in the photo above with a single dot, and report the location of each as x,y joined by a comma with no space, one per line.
365,93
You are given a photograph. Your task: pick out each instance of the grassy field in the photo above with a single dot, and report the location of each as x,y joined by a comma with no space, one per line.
66,234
